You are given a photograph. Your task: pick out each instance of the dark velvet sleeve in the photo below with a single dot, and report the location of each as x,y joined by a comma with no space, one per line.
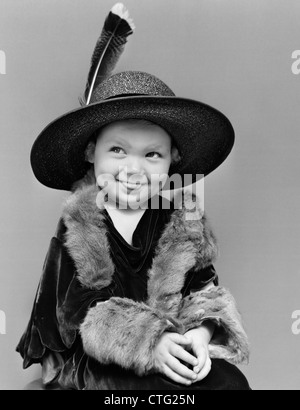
197,279
60,306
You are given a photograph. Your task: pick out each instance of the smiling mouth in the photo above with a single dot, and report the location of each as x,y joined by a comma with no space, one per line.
130,185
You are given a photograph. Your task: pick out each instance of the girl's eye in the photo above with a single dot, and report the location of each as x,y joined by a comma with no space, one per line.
154,155
117,150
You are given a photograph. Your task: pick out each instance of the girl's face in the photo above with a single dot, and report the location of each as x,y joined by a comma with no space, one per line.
131,159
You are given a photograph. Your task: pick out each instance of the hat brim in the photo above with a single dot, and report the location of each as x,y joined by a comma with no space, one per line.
203,135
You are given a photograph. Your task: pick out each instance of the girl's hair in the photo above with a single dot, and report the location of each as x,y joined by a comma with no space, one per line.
176,157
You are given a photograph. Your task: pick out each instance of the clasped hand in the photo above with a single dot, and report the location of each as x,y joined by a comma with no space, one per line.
183,358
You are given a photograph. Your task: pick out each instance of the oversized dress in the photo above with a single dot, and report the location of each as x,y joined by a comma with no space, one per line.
53,337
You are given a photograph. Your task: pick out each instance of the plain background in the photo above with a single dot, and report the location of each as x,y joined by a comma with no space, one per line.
235,55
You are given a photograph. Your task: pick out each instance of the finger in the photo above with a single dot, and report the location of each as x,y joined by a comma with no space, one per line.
189,345
180,339
176,377
179,352
201,354
179,368
205,370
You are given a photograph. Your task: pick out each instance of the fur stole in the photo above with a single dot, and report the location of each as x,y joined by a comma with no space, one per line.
125,332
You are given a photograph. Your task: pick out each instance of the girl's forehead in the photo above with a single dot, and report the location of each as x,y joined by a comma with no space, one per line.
132,124
138,130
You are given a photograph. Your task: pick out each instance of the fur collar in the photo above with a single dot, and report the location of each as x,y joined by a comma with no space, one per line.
186,242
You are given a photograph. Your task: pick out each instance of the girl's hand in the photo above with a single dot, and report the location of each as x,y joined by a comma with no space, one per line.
199,339
168,354
203,367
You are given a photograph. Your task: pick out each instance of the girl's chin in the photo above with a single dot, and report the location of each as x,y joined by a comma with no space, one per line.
132,201
123,198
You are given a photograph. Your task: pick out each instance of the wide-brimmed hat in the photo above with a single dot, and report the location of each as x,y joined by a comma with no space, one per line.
203,135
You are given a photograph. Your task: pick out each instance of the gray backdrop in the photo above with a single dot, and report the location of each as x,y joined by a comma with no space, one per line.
233,54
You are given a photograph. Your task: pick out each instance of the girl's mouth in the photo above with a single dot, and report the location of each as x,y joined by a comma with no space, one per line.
131,186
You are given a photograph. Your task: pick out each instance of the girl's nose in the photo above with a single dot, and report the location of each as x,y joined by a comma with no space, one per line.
134,166
133,170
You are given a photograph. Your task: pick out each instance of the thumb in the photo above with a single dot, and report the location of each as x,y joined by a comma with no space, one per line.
189,343
201,353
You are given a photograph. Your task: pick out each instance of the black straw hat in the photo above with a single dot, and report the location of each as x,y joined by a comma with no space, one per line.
203,135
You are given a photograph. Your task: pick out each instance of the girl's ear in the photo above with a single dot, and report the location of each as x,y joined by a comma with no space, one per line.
175,156
90,152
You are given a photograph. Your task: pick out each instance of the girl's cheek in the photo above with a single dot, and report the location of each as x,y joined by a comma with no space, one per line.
105,167
105,181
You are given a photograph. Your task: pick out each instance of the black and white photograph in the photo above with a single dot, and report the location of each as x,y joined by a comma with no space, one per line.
150,229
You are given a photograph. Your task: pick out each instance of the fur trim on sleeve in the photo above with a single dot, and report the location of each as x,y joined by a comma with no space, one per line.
124,332
218,305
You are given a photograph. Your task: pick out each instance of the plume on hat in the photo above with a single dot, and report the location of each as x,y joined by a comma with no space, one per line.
109,47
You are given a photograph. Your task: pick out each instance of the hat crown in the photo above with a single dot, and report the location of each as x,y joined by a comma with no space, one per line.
131,83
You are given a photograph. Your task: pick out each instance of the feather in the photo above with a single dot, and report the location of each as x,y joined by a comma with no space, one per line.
109,47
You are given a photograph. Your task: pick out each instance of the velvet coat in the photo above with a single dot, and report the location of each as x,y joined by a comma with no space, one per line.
86,332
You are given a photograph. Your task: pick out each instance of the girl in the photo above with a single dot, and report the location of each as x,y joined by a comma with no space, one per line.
129,298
